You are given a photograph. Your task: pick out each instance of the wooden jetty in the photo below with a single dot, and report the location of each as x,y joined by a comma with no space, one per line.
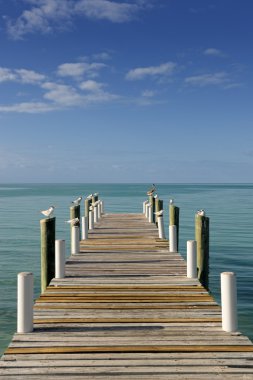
126,310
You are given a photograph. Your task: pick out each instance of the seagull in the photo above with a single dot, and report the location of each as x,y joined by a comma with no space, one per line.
201,212
152,190
77,201
89,196
73,222
48,213
159,213
155,196
171,201
95,203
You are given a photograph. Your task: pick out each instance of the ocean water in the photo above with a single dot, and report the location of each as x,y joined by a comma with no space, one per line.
229,206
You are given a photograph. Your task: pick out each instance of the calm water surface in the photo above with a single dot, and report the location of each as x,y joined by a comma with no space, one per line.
230,208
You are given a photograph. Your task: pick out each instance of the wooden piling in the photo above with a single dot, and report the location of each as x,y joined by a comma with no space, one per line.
47,227
202,238
75,213
158,207
152,208
87,204
174,219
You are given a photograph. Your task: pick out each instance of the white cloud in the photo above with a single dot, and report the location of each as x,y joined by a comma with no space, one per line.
203,80
148,94
91,85
6,75
61,94
152,71
79,69
214,52
45,16
20,75
107,10
29,76
27,107
104,56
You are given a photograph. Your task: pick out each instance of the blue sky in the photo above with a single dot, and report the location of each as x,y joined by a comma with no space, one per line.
126,91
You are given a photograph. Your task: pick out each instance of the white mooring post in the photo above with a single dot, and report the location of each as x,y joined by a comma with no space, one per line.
95,212
192,259
173,238
75,240
229,301
85,227
25,303
147,210
59,258
144,207
150,213
91,219
102,207
160,226
99,210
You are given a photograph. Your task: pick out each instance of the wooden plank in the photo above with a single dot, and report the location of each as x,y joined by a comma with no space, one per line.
126,310
132,348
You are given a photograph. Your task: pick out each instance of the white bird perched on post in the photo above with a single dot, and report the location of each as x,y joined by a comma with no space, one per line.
171,201
77,201
155,196
95,203
159,213
73,221
201,212
89,196
48,213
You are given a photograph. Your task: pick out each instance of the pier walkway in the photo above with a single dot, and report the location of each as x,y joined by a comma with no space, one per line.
126,310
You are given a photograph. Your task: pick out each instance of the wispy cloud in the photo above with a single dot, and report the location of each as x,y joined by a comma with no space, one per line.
52,93
148,93
203,80
20,75
214,52
91,85
79,69
152,71
27,107
45,16
7,75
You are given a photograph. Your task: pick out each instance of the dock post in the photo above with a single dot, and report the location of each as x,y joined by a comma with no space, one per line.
47,227
102,208
174,218
85,227
95,211
202,238
87,204
192,259
161,226
152,202
144,207
75,240
146,210
158,207
229,301
75,213
150,213
25,303
99,210
173,238
59,258
91,219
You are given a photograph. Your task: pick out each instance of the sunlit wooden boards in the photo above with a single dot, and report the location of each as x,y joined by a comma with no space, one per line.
126,310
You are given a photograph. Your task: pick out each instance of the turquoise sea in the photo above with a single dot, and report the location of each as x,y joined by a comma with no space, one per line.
229,206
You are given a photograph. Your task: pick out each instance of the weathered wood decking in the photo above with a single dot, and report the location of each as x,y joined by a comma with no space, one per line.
127,311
